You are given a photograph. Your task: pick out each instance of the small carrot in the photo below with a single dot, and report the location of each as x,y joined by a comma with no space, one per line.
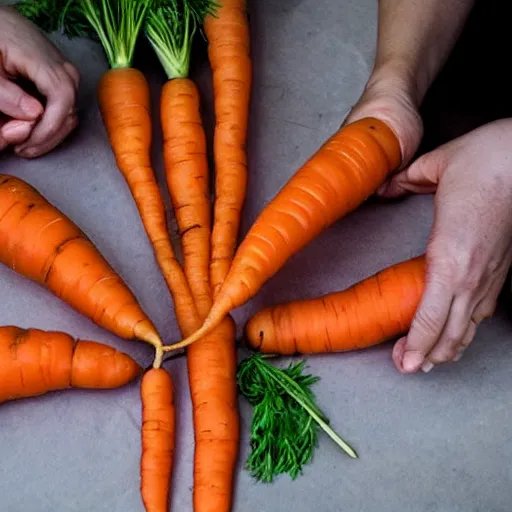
344,172
158,438
227,32
370,312
124,101
41,243
212,361
34,362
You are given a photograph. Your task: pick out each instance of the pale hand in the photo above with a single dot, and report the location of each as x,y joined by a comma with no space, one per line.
470,247
31,128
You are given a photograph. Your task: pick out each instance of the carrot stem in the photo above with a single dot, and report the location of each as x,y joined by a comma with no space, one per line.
297,394
118,25
159,354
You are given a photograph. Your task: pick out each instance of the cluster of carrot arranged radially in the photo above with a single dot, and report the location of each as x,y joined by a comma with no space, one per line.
216,274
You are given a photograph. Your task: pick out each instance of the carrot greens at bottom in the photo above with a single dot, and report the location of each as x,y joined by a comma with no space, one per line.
285,420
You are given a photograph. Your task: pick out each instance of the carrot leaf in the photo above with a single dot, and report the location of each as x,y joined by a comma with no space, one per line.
118,24
56,16
170,28
285,419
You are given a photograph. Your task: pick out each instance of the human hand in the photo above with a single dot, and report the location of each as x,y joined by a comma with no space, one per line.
390,96
470,247
25,123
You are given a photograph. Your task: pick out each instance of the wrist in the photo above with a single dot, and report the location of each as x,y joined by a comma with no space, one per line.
399,75
391,94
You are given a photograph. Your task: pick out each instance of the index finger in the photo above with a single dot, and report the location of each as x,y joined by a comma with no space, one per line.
16,103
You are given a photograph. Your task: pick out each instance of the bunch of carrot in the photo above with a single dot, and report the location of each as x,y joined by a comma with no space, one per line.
207,244
41,243
214,279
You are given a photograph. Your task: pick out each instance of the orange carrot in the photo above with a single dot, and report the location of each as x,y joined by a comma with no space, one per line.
212,377
212,361
34,362
343,173
41,243
365,314
158,438
186,168
124,101
227,32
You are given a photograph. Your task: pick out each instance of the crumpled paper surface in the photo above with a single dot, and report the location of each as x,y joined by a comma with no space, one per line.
428,443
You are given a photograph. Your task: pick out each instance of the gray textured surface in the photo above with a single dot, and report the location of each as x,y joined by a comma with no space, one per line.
428,443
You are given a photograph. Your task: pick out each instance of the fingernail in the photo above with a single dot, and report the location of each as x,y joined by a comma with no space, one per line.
458,355
412,361
427,366
30,106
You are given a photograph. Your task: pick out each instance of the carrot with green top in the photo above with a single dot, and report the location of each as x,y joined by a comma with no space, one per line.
343,173
124,100
39,242
367,313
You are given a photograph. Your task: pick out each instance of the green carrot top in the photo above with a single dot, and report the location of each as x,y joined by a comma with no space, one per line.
170,28
285,419
56,16
118,24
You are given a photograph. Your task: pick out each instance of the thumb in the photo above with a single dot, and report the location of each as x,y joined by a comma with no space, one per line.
16,103
426,327
421,177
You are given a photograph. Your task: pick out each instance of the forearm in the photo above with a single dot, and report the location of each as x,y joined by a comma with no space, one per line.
415,37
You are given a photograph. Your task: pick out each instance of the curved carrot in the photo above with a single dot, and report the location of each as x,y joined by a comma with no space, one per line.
41,243
365,314
186,167
212,361
158,438
343,173
124,101
34,362
227,32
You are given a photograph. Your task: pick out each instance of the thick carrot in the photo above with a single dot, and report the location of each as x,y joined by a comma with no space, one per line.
227,32
158,438
41,243
124,101
34,362
343,173
212,361
367,313
212,377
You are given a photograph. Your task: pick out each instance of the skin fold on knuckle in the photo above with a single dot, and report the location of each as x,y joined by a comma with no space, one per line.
425,322
442,355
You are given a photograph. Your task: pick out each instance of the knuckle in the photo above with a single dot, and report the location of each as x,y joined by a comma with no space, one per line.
442,355
66,91
463,270
73,71
425,321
